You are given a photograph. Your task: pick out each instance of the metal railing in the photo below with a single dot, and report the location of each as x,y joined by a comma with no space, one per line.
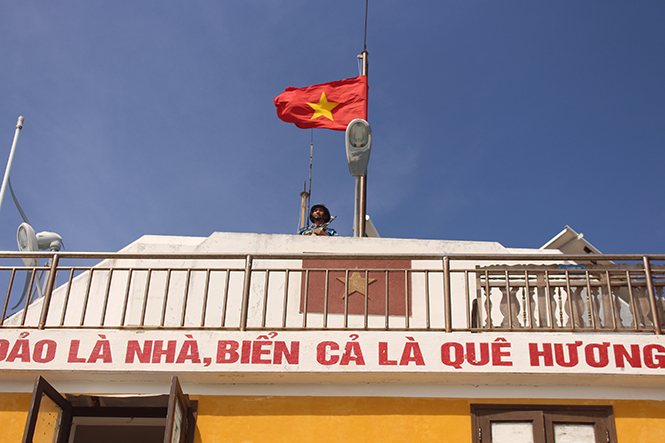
457,292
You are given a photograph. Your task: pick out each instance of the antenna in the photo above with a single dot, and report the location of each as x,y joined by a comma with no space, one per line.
306,194
311,156
365,40
359,220
303,214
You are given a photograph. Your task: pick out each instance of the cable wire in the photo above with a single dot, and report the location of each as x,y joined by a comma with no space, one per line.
18,206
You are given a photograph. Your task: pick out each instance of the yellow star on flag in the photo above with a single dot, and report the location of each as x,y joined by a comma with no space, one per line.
356,284
323,107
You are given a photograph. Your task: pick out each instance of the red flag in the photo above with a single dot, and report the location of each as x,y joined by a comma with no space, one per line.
329,105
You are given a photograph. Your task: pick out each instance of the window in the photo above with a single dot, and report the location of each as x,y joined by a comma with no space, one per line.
55,418
542,424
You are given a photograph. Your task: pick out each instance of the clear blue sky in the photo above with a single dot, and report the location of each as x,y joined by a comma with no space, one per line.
492,120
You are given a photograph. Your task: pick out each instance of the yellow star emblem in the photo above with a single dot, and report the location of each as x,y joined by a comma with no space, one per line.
323,107
356,284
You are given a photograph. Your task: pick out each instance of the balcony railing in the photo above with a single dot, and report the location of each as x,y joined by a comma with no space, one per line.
534,292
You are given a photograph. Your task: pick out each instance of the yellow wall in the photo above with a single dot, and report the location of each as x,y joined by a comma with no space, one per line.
237,419
640,421
13,413
241,419
332,419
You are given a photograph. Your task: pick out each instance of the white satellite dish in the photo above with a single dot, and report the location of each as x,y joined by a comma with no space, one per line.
27,242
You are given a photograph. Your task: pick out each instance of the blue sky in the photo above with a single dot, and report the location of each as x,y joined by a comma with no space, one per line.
492,120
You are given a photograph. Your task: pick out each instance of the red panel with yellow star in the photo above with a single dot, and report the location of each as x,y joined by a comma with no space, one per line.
329,105
383,282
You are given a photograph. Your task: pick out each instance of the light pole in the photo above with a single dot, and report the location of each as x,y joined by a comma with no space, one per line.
358,140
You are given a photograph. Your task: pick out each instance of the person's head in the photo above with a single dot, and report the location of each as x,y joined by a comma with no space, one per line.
319,214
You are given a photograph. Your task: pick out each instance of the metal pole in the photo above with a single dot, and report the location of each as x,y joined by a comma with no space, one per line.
652,295
19,126
303,209
447,303
356,209
49,291
361,185
362,205
364,58
245,293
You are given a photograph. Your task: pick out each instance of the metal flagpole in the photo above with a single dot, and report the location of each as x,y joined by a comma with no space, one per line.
19,126
361,183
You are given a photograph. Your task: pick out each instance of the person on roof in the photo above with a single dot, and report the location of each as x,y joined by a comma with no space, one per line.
320,217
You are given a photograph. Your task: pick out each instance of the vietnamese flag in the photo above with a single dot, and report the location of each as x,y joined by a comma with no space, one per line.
329,105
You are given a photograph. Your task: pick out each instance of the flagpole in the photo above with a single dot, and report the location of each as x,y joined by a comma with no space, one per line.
361,182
